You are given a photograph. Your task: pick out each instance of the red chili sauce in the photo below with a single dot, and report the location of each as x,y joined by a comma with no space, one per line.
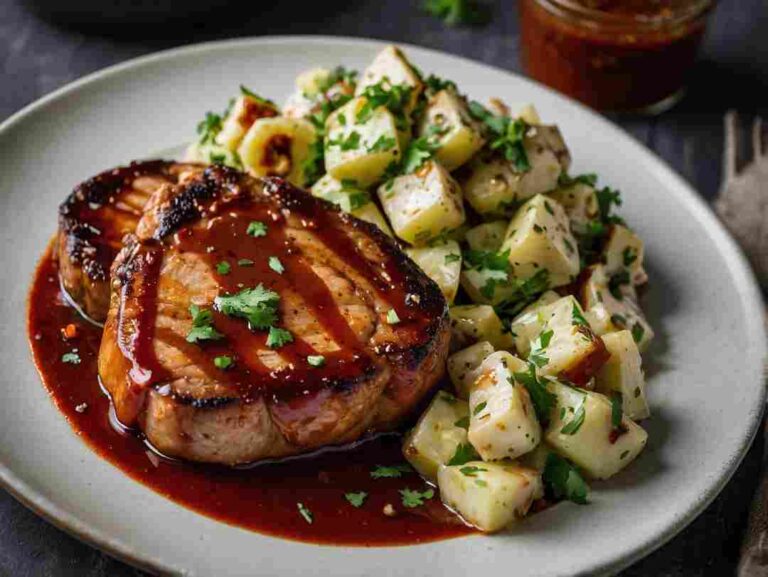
264,498
630,55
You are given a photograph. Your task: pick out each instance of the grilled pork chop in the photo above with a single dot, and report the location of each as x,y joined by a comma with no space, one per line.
93,221
369,330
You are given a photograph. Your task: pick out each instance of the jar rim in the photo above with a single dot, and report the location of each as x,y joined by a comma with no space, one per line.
594,17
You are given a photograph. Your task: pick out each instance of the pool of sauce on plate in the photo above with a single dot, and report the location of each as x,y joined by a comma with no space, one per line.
263,498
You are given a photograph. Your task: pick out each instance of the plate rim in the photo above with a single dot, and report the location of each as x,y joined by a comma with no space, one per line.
739,270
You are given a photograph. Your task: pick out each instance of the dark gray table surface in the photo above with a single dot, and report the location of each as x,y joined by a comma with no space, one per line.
38,56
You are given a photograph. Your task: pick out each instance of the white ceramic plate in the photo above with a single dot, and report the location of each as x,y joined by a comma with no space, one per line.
705,371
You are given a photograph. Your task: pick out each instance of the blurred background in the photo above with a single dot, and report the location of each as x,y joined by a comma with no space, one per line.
45,44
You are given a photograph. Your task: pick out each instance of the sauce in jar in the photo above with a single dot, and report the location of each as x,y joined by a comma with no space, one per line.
614,55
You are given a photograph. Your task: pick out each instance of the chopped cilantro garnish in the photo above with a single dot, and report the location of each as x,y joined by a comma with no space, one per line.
202,326
350,142
278,337
390,471
471,470
572,426
223,267
305,513
435,84
418,151
70,358
542,399
457,12
464,454
629,255
462,422
507,135
244,262
382,144
316,360
256,228
577,317
563,481
452,257
392,317
395,97
538,346
567,180
209,127
223,362
413,498
257,305
479,408
356,499
276,265
637,332
616,412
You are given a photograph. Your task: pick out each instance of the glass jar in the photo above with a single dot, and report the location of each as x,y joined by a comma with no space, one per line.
613,55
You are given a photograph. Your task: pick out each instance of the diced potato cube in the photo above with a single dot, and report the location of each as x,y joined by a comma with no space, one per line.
212,153
624,252
424,204
489,496
447,122
580,203
463,366
486,286
539,237
487,236
609,313
278,147
352,199
245,110
502,422
566,346
551,138
529,323
371,213
392,66
622,373
441,263
475,323
494,186
434,439
312,88
360,145
590,440
529,114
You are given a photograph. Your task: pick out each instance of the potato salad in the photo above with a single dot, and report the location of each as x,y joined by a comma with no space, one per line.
546,385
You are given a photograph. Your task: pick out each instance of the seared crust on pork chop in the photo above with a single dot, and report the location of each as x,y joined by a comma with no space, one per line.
369,330
93,221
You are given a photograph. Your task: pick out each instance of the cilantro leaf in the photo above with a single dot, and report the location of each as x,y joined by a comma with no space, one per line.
565,180
462,422
382,144
395,97
356,499
637,332
563,481
70,358
464,454
538,346
542,399
506,135
573,426
202,326
479,408
278,337
435,84
616,411
316,360
257,305
256,229
577,317
276,265
350,142
223,267
418,151
223,362
305,513
471,470
209,127
392,317
457,12
413,498
390,472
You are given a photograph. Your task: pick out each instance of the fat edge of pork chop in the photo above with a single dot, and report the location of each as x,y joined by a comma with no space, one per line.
190,410
93,220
